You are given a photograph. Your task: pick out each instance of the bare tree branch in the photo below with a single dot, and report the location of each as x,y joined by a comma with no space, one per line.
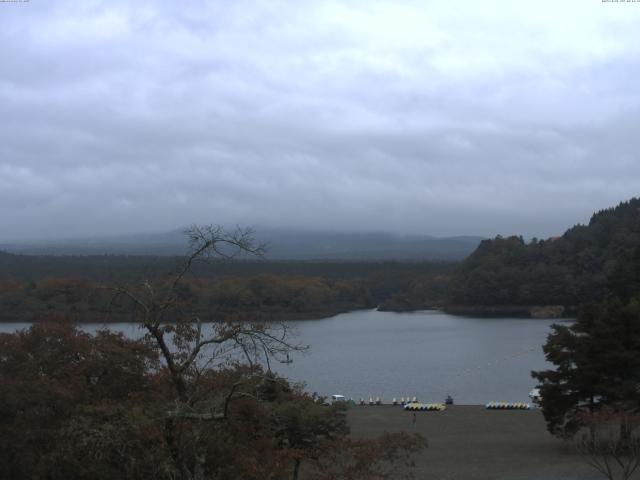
155,299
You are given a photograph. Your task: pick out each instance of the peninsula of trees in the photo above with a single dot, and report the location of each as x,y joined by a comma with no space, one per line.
564,271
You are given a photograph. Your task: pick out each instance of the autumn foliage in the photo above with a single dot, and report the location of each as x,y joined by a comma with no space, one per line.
80,406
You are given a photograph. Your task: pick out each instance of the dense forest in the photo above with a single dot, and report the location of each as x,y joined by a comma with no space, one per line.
568,270
552,277
33,287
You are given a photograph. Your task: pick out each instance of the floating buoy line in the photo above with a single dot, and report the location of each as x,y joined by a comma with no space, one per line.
494,363
482,368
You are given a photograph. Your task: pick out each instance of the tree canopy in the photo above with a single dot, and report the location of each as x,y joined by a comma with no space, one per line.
570,270
597,358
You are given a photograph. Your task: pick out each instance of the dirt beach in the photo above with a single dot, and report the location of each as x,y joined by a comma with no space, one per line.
470,442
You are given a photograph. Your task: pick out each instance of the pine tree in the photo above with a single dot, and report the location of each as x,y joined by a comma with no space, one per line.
597,363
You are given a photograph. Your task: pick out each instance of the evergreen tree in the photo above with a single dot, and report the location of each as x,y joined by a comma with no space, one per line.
625,277
597,363
569,270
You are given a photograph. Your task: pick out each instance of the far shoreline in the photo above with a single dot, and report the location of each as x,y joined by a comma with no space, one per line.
546,312
495,311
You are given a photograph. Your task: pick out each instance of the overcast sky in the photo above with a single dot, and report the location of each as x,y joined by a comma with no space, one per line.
451,117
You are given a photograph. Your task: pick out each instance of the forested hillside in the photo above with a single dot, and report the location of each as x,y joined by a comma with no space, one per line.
34,287
567,270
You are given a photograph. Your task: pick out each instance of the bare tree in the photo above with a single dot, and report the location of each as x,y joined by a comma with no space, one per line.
612,445
189,349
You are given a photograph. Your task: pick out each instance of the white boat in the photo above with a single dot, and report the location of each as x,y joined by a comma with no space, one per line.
535,396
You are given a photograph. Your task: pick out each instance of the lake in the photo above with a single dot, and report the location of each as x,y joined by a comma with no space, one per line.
427,354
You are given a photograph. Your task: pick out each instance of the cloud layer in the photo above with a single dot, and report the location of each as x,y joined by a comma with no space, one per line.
428,117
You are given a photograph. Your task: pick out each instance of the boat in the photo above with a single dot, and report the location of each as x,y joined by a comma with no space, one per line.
535,396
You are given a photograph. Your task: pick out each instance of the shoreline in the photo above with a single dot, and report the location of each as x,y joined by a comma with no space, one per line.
477,311
539,312
92,318
495,311
519,311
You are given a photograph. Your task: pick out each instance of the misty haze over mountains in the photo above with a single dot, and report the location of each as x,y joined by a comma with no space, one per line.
282,244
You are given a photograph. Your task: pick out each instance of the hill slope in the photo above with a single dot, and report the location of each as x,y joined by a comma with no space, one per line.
567,270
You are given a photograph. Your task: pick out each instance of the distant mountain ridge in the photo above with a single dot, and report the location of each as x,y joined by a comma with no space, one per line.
282,244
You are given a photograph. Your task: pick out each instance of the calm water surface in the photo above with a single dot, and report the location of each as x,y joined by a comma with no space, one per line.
425,354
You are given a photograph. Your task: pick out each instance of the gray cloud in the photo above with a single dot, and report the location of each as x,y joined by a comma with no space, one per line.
430,117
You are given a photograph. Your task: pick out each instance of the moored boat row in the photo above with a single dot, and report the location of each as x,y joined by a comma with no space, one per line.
508,406
413,404
428,407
